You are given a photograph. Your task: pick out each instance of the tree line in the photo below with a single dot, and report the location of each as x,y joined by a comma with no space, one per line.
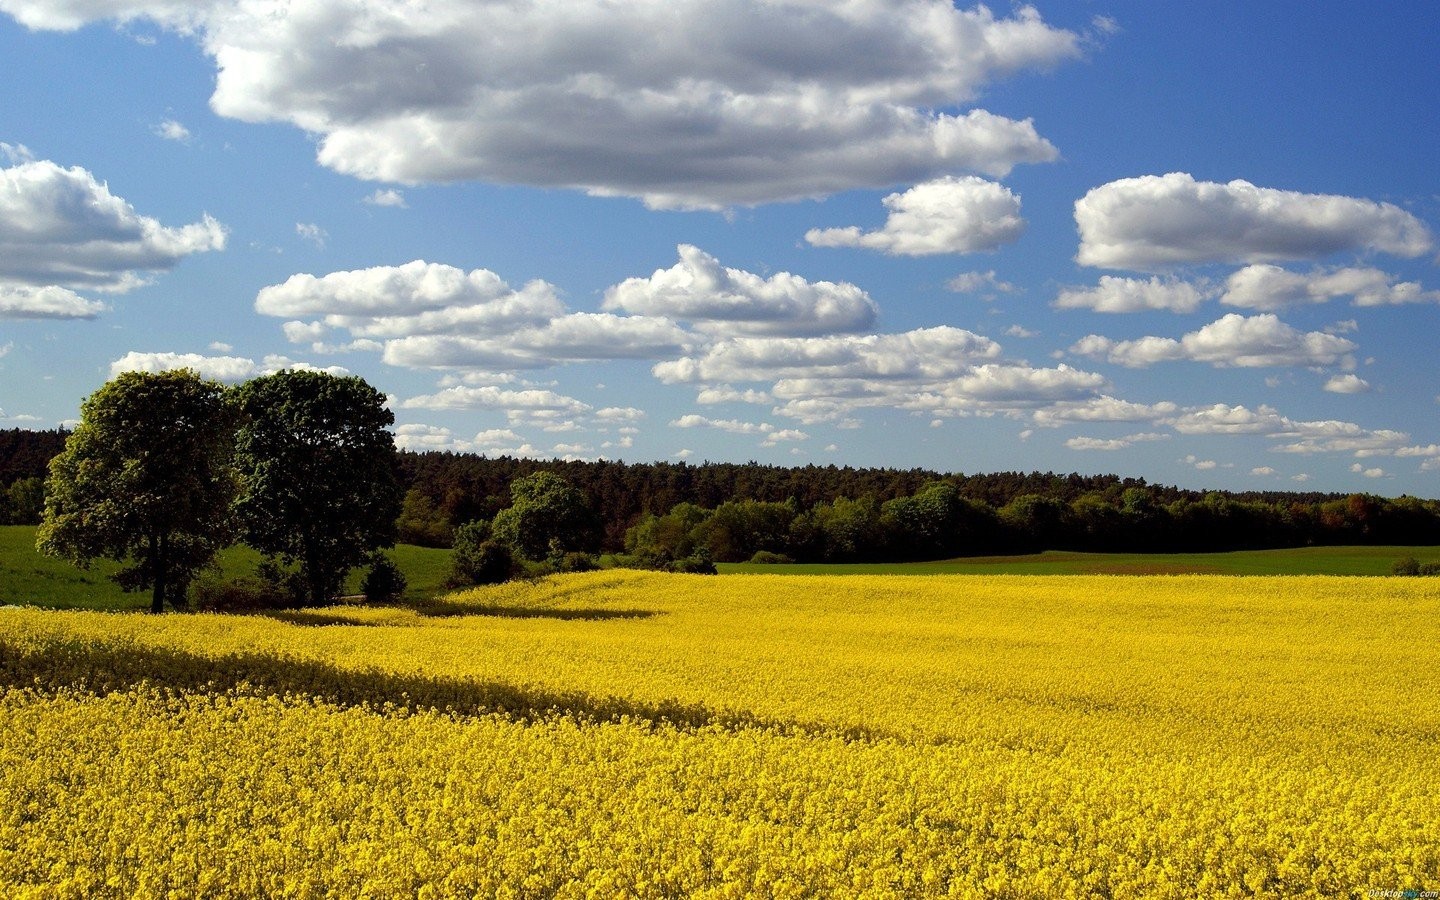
680,515
834,513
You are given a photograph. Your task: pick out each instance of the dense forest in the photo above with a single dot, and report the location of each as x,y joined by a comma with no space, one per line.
661,512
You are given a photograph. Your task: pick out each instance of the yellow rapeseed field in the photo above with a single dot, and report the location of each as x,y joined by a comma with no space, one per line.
622,734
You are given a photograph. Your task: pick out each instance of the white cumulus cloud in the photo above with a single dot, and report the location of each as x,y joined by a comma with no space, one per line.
1111,444
980,282
699,289
386,197
1126,295
412,299
685,103
1270,287
172,130
935,353
1347,384
950,215
62,230
1156,222
1232,340
576,337
941,370
220,368
22,301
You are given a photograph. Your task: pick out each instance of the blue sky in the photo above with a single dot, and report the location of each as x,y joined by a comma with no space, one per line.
1196,243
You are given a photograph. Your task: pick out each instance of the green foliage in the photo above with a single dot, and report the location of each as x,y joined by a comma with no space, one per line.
480,559
422,522
1039,522
739,528
699,563
850,529
23,502
576,562
384,582
145,477
1409,565
317,474
467,562
768,558
493,563
936,522
29,578
659,540
546,518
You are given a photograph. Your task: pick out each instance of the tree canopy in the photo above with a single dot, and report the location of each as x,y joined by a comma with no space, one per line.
318,487
547,517
145,477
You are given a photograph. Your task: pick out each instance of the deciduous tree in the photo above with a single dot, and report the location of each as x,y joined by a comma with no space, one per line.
318,485
145,477
547,517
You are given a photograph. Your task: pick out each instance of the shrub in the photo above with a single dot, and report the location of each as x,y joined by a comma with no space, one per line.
698,563
767,557
1412,566
1407,566
384,583
465,564
576,562
488,562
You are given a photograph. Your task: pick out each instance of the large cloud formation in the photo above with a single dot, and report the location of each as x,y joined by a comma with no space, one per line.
941,370
61,231
698,289
950,215
1157,222
684,103
428,315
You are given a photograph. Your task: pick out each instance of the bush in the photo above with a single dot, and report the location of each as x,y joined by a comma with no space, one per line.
242,595
1407,566
1412,566
488,562
576,562
384,583
767,557
698,563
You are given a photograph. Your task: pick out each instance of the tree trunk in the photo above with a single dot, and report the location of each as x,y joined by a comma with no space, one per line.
159,566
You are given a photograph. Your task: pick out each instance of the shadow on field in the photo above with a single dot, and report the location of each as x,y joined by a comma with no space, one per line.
99,667
440,608
311,618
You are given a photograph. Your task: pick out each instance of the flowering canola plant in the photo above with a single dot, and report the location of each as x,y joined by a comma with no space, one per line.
639,734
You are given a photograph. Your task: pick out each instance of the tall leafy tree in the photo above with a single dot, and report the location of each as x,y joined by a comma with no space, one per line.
547,517
318,486
145,477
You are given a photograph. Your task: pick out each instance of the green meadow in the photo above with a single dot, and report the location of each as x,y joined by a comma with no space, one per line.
1298,561
29,579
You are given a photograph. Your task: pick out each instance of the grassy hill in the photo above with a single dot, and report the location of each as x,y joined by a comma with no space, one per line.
29,579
